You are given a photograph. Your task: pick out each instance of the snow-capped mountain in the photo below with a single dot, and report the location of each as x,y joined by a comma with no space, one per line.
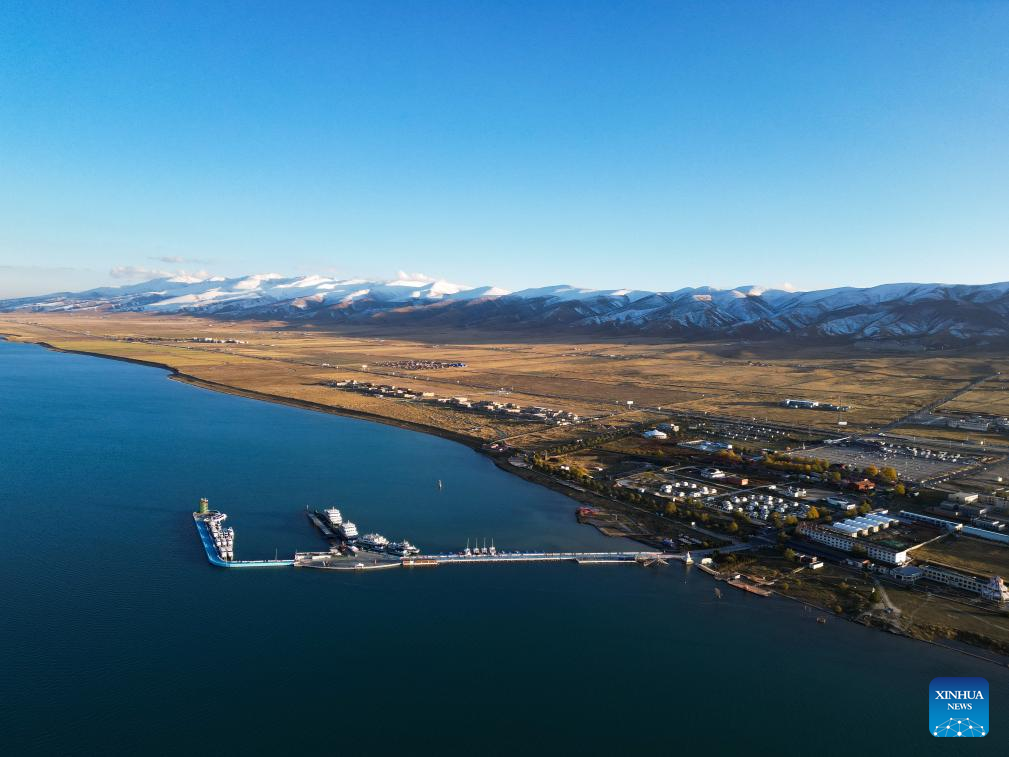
891,311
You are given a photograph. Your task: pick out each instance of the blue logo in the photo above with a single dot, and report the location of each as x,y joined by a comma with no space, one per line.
958,707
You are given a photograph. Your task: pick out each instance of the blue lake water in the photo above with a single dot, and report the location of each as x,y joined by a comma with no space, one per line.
117,636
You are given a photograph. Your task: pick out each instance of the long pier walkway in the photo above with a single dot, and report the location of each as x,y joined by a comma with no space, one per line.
524,557
364,560
215,558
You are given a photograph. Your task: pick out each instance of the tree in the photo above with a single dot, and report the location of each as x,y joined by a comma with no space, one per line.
791,520
872,471
790,554
864,508
813,514
733,527
899,489
890,474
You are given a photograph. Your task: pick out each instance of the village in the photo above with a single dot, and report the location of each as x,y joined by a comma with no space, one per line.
866,529
509,410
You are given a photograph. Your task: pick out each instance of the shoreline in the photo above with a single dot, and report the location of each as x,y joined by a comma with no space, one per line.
532,477
176,375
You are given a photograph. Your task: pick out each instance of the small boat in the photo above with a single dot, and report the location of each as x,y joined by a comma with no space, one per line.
821,619
718,593
402,548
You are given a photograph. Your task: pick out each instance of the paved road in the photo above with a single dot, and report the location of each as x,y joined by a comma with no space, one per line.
941,401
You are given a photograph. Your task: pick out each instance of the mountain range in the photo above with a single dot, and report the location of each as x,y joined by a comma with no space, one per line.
936,312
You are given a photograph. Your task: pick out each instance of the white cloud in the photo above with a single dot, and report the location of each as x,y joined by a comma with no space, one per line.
405,276
136,273
176,259
139,273
31,280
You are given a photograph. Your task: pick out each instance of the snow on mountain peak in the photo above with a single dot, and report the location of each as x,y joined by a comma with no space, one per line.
883,312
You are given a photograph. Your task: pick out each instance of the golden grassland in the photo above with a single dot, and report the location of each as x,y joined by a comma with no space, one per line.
942,433
989,398
973,555
589,377
928,616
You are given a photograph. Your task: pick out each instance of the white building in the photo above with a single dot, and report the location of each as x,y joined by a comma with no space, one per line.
970,424
992,588
884,554
830,537
845,536
654,433
949,525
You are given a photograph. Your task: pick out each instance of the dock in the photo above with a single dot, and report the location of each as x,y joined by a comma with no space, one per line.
582,558
338,557
215,559
749,587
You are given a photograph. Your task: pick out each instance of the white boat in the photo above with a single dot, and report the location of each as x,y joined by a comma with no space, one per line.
403,548
348,530
374,542
334,517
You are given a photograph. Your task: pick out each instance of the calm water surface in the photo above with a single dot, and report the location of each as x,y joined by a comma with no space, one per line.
117,637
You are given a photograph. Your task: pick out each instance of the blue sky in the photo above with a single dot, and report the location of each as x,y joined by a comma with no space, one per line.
623,144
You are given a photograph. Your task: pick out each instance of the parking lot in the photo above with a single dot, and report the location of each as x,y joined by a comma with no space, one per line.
915,464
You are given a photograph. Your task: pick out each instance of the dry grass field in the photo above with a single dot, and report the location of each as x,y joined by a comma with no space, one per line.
986,558
990,398
921,610
591,378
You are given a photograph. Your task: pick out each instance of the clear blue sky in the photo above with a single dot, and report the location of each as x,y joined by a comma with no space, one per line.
638,144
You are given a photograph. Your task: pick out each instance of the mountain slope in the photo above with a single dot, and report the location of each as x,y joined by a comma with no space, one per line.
891,311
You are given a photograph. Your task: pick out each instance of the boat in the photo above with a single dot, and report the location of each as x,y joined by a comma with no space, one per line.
821,619
373,542
334,517
402,548
348,531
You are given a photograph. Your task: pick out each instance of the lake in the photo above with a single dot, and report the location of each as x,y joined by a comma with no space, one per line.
118,637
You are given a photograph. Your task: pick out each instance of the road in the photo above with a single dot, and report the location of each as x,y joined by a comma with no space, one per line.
941,401
894,610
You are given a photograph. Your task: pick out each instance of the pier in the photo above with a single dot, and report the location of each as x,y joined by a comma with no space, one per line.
375,561
588,558
339,557
215,558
